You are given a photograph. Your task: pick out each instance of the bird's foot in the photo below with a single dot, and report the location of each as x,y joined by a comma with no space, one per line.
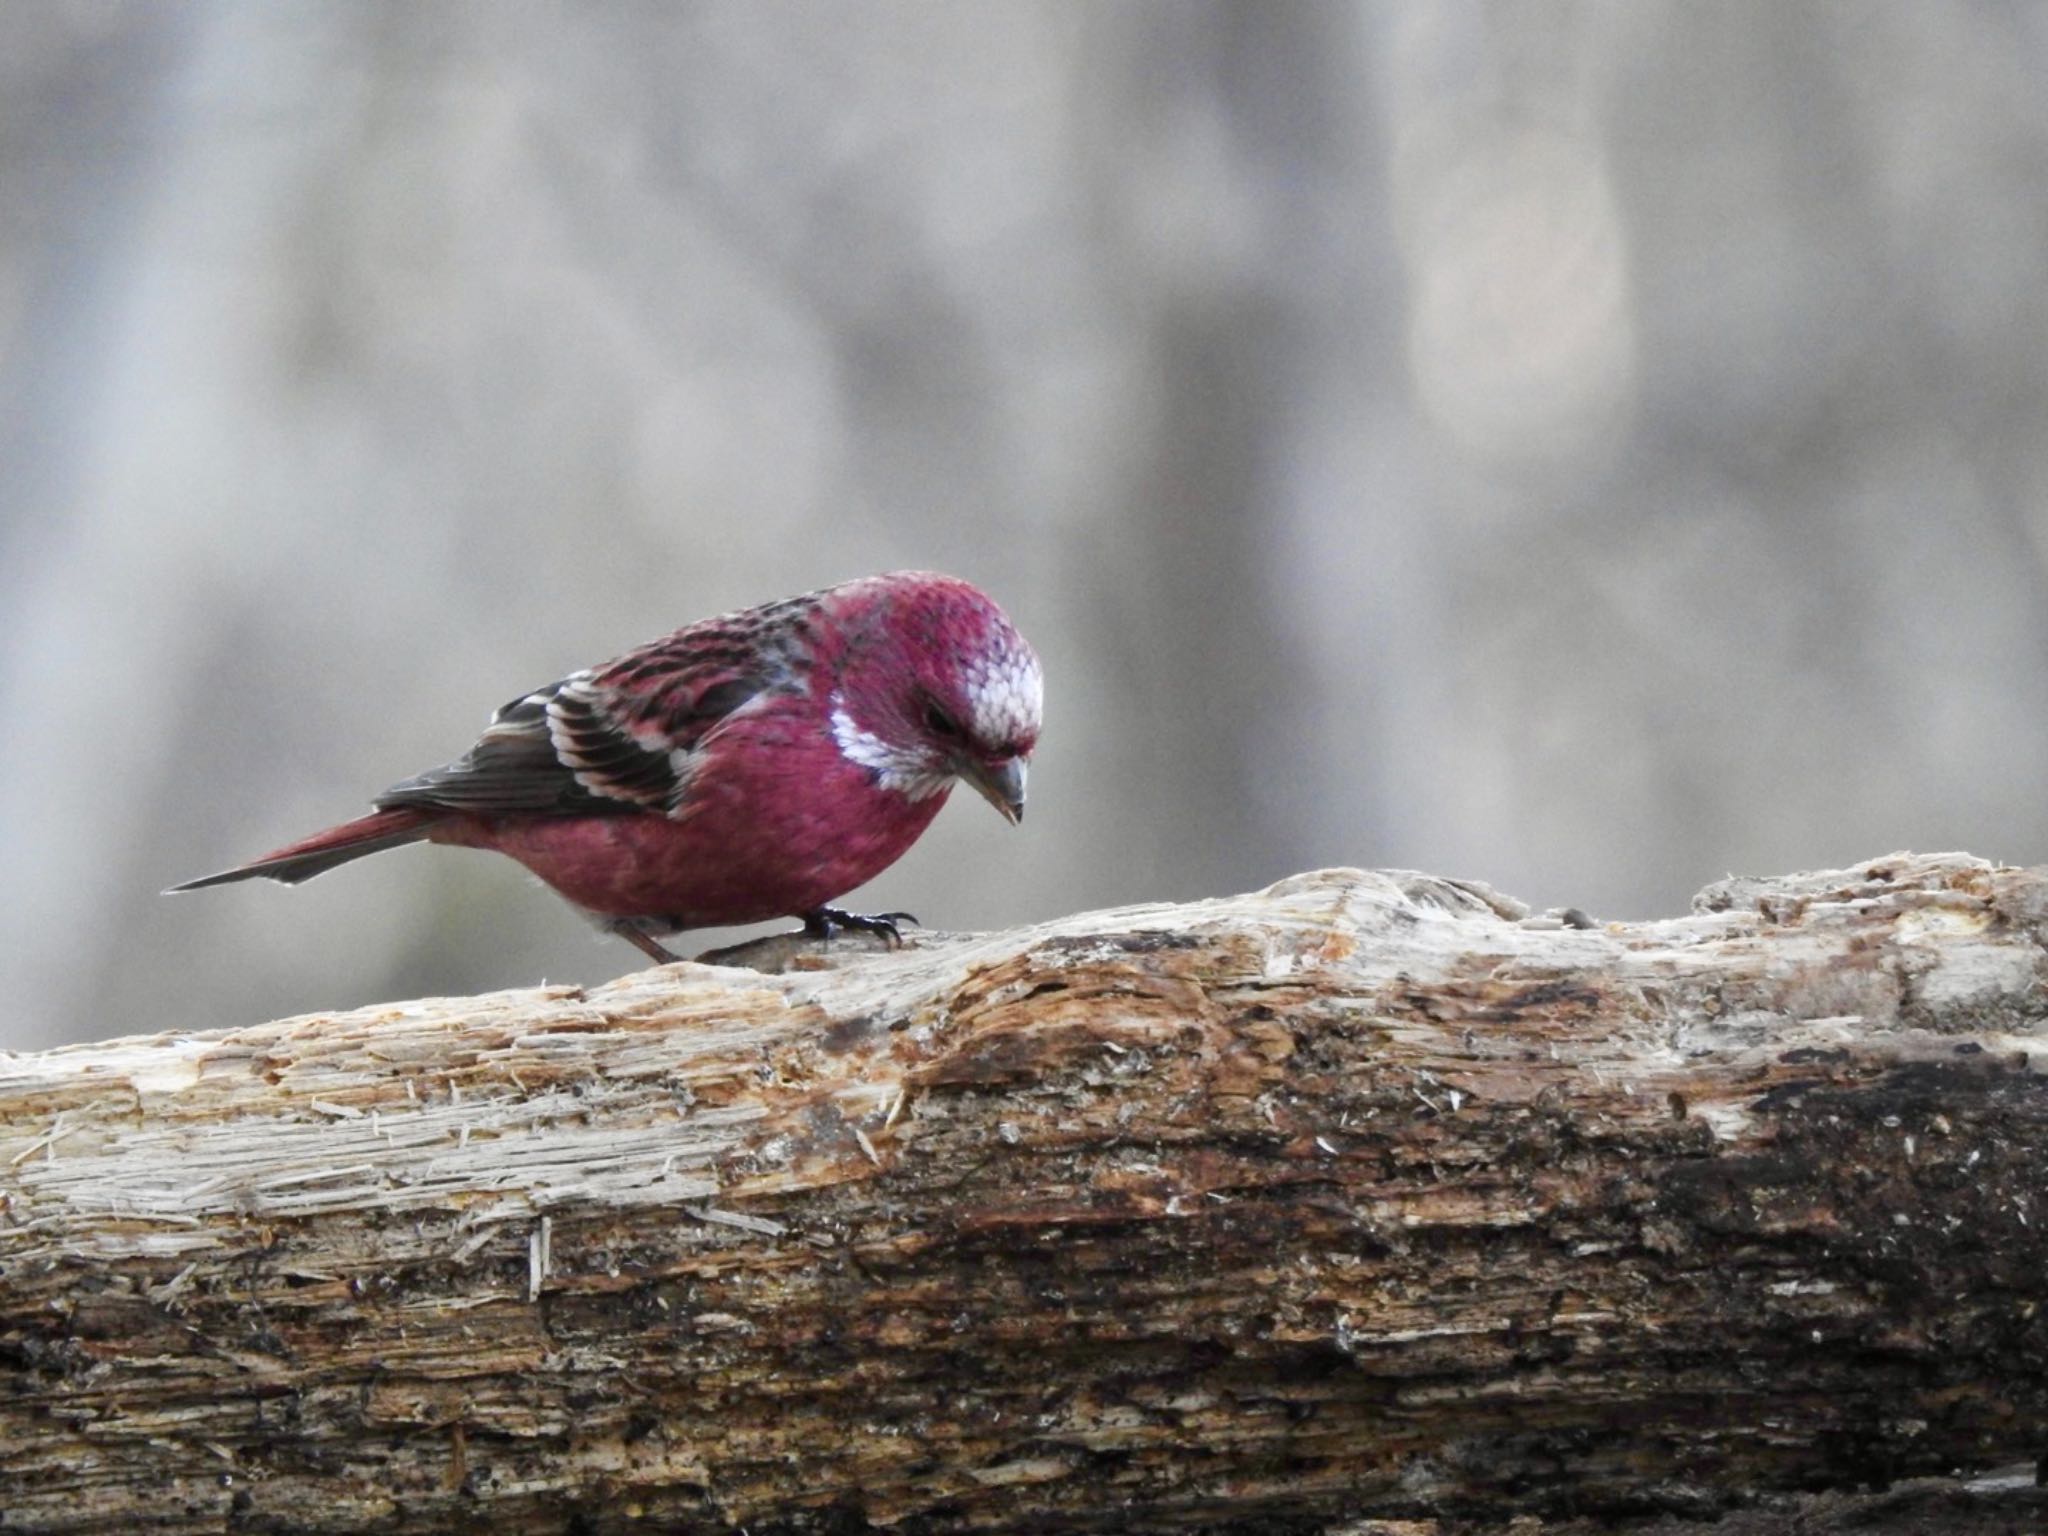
645,942
823,922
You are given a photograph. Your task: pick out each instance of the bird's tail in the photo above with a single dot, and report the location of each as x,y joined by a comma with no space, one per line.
317,854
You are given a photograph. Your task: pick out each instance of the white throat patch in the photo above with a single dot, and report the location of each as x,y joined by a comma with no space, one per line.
909,772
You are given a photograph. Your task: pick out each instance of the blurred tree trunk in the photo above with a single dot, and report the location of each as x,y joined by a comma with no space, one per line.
1364,1198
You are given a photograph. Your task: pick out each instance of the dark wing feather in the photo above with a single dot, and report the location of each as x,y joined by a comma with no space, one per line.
616,739
512,767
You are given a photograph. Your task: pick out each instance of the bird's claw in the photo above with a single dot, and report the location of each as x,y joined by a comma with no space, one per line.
825,921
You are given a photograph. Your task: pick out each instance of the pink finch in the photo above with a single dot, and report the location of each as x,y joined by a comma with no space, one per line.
746,767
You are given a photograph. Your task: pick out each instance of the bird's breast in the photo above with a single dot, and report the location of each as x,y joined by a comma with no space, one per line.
777,822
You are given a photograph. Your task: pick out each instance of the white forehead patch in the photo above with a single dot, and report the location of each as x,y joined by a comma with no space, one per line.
1006,692
907,771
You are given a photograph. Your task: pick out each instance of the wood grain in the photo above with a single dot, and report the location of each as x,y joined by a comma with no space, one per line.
1367,1196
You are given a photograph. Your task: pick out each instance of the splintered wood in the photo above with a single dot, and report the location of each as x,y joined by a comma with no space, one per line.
1368,1197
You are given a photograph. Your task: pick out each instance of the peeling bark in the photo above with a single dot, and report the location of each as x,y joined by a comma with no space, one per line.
1366,1197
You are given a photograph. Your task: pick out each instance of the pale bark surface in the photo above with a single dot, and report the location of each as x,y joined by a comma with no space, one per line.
1365,1197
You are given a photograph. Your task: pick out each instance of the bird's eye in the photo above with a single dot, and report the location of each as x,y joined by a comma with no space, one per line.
939,723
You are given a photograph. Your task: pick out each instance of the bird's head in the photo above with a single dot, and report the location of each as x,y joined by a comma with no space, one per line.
936,685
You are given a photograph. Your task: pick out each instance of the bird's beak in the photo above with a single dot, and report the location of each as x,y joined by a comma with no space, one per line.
1001,786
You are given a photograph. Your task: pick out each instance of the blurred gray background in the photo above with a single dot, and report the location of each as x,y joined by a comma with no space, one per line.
1589,447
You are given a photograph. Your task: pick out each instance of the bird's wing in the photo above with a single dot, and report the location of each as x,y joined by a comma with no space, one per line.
623,737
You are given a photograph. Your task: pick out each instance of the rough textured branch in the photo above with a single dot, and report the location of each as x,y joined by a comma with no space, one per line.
1366,1195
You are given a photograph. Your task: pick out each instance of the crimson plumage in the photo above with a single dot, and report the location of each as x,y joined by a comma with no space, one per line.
755,765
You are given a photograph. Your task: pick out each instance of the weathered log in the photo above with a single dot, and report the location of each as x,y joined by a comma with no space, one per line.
1366,1196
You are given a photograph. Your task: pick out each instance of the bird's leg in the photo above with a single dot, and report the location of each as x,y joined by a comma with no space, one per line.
823,922
645,942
